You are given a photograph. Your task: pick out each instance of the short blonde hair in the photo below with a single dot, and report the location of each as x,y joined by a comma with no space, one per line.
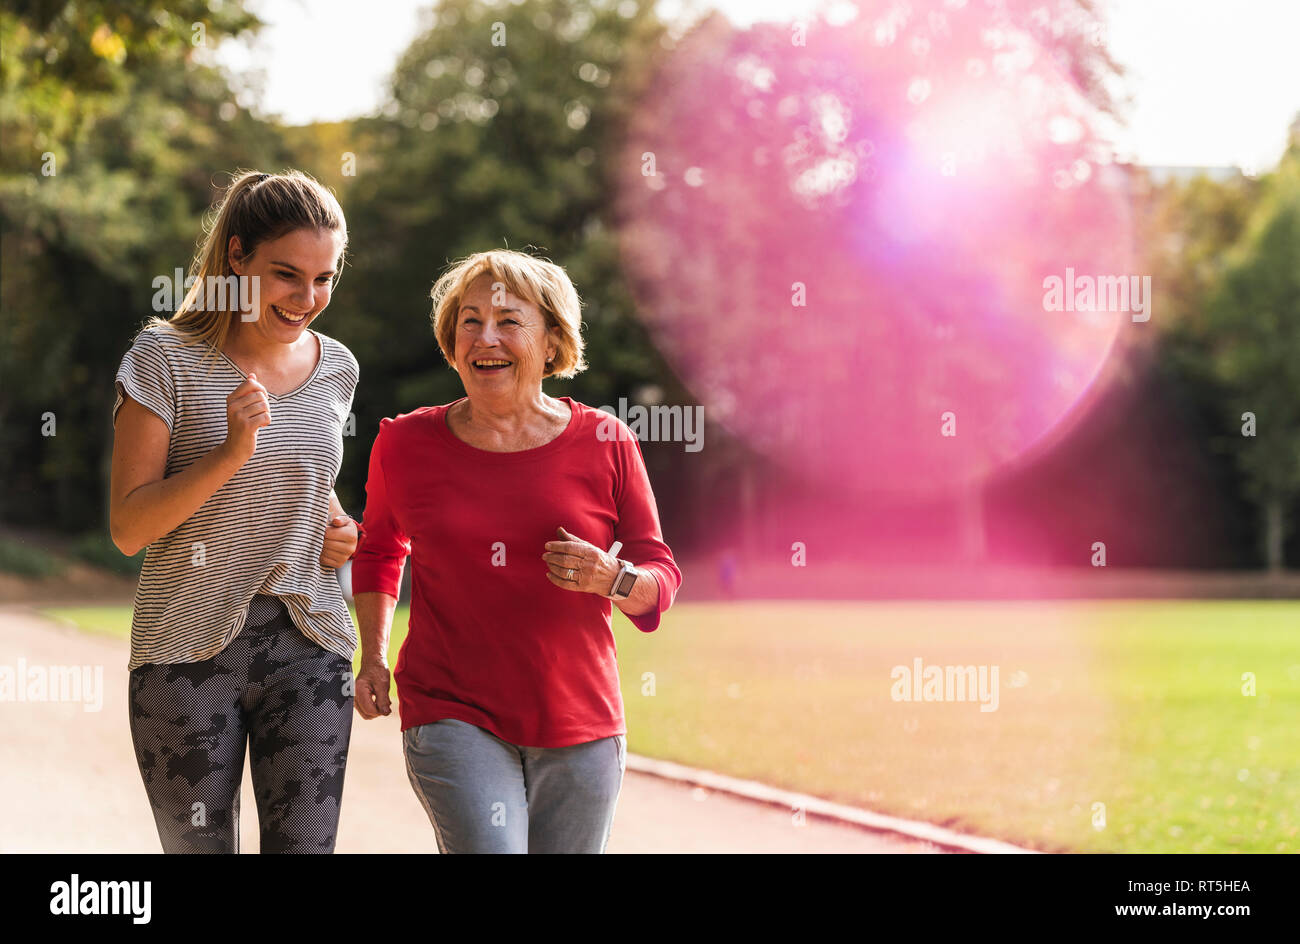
538,281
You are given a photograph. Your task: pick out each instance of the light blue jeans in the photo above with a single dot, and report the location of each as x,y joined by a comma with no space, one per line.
484,794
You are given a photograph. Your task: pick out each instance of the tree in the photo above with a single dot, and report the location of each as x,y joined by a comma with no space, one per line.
498,133
116,127
811,211
1253,333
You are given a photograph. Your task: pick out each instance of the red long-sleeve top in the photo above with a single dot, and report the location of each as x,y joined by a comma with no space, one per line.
491,640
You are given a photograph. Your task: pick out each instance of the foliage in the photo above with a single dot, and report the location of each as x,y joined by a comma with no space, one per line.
115,126
20,557
488,146
1228,257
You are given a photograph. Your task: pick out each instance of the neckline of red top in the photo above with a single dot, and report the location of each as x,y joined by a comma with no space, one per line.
567,435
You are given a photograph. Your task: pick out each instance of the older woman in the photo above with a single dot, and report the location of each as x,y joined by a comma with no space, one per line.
512,505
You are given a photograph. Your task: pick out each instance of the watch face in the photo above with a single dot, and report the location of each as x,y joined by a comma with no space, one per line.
625,584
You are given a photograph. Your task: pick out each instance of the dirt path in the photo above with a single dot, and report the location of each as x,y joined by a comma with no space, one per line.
69,783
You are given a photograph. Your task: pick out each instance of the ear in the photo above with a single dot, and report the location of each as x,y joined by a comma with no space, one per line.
235,253
552,346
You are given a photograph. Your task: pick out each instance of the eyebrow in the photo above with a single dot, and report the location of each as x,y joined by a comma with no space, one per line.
298,271
474,309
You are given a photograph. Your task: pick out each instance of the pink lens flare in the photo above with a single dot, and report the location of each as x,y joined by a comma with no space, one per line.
841,246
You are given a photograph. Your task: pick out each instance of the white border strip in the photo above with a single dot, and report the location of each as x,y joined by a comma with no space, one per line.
815,806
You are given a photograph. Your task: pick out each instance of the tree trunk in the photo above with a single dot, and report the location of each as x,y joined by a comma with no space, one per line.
1273,534
973,538
748,509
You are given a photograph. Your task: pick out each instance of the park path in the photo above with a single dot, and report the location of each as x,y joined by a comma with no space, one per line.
69,782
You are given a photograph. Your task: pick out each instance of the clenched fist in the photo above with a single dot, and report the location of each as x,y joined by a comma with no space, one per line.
247,410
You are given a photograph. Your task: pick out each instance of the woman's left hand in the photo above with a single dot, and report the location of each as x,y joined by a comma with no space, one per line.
575,564
340,542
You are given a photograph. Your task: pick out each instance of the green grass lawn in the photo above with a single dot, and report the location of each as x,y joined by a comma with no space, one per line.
1134,705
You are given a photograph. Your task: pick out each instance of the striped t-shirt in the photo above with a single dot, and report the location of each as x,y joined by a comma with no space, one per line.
263,530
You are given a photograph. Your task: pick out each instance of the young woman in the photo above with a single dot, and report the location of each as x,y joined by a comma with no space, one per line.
228,436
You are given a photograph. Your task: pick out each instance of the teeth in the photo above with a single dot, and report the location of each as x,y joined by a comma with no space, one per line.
287,316
491,363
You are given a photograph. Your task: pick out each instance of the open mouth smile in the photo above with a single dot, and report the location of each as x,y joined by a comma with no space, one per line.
288,317
490,365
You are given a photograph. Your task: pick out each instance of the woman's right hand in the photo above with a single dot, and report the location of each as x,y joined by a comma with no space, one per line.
247,411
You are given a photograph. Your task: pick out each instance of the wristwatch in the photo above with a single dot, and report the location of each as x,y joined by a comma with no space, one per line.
623,583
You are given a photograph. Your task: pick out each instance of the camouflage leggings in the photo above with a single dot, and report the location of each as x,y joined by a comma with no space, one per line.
278,692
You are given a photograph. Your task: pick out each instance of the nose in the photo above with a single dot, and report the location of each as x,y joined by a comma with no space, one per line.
488,335
304,298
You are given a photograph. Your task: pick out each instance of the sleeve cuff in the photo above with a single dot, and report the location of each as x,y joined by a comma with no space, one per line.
361,536
649,622
126,386
368,578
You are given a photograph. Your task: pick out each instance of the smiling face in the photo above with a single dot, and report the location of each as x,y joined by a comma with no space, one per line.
295,278
502,342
